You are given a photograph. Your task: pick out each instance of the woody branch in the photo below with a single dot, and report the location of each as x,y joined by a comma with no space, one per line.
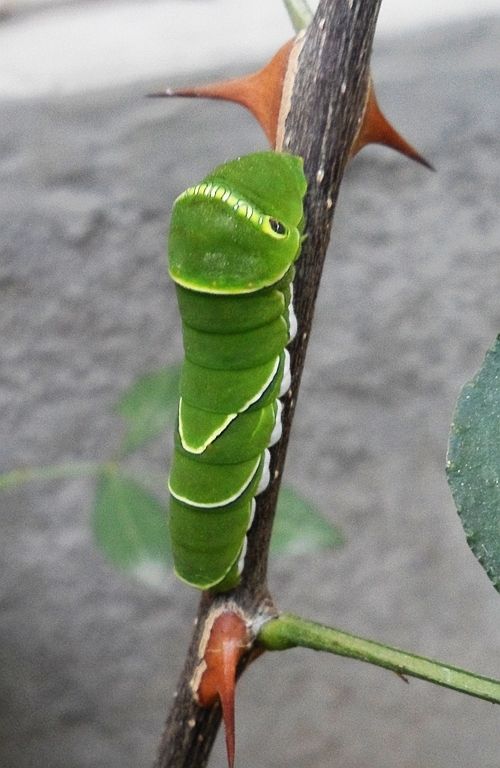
325,109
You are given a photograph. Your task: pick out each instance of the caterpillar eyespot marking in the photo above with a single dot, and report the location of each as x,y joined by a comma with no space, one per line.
233,241
277,226
242,207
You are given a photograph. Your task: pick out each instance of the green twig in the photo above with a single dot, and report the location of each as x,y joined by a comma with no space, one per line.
66,471
299,12
290,631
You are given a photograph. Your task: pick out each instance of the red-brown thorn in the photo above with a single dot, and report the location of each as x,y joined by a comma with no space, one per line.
227,643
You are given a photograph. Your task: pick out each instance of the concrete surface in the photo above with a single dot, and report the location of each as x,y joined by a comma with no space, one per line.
54,47
409,304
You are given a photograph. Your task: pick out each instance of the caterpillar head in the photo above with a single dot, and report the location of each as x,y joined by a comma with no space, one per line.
240,229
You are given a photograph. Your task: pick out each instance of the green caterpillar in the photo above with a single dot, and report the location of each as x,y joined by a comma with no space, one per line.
233,241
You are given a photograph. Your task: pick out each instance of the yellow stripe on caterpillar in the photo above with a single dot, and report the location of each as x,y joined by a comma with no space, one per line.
267,224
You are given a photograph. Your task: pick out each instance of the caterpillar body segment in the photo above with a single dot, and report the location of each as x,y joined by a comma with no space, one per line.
233,241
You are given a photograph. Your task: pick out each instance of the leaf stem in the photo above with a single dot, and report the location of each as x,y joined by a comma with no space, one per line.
289,631
299,12
69,471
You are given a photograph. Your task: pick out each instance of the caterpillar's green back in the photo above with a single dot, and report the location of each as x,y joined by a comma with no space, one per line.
233,241
273,182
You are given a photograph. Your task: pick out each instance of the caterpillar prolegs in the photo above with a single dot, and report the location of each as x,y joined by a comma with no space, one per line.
233,242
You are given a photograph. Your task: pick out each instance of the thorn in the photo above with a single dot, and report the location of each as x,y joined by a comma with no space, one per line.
260,92
376,129
227,643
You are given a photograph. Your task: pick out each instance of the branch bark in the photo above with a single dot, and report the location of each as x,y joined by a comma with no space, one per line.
326,108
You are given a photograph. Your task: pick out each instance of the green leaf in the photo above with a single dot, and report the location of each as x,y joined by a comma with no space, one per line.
149,406
130,527
299,528
473,465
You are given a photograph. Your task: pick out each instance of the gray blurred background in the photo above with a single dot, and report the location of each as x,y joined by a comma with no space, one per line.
409,303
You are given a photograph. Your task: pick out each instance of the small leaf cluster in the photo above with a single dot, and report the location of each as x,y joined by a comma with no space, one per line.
130,508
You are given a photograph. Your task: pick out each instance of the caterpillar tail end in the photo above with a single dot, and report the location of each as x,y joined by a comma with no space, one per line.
226,645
